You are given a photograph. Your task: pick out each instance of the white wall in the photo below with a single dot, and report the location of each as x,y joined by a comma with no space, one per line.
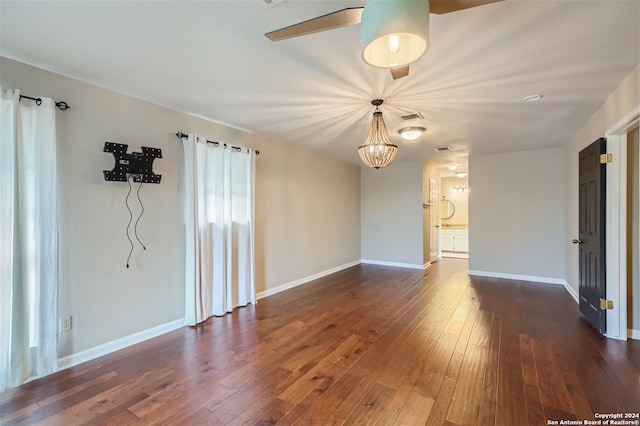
621,101
391,212
310,214
307,210
516,214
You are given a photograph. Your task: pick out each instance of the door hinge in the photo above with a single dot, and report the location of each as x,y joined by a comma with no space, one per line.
606,158
606,304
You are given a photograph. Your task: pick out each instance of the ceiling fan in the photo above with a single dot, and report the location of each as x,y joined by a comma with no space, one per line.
394,33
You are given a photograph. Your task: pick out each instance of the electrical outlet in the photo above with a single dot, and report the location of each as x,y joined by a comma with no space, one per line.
65,323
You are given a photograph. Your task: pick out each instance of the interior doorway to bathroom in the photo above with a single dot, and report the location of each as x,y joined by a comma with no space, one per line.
454,216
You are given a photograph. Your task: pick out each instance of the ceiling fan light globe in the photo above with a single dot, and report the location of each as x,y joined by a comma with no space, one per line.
409,48
394,33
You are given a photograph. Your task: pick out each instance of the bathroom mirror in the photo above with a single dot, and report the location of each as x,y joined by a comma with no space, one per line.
447,209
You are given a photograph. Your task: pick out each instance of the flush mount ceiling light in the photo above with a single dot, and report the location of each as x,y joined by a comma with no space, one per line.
532,98
377,151
461,173
394,33
452,167
411,133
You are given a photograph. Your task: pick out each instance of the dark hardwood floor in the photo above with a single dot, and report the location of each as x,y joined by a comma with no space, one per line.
369,344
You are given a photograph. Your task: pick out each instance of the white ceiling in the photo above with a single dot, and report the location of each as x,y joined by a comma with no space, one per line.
211,59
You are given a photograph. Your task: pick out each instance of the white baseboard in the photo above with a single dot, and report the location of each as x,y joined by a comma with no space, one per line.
571,291
633,334
395,264
305,280
454,255
545,280
531,278
116,345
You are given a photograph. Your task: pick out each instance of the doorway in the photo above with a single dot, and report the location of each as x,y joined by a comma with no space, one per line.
454,216
633,233
618,268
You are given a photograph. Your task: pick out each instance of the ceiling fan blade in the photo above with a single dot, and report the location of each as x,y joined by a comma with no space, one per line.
446,6
341,18
397,73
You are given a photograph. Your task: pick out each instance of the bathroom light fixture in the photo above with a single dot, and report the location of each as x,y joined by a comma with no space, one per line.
394,33
461,173
452,166
460,188
411,133
377,150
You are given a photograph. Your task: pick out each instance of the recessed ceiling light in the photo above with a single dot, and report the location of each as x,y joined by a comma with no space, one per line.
411,133
532,98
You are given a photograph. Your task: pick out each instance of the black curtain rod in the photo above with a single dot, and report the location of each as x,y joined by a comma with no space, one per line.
215,143
62,105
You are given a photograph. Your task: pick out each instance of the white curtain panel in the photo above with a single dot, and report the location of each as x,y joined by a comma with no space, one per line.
28,240
219,218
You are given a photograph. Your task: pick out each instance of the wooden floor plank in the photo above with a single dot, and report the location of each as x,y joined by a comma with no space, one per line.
396,404
369,344
535,410
511,403
333,365
488,400
416,410
581,407
261,392
121,397
554,391
372,405
466,399
321,410
440,408
435,369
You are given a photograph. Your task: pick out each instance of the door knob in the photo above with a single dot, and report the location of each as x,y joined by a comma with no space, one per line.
575,241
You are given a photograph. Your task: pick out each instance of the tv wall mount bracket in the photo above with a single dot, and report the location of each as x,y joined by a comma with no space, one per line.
137,164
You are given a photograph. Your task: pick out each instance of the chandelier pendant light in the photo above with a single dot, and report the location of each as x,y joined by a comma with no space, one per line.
377,150
394,33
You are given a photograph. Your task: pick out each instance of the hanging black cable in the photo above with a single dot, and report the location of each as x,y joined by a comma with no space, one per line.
126,202
215,143
62,105
135,227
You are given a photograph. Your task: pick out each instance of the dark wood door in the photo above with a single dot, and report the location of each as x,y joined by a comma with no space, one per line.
592,287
